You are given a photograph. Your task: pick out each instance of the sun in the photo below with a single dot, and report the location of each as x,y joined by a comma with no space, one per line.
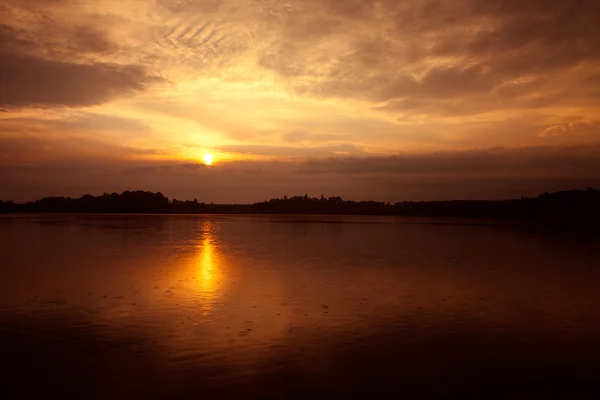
208,159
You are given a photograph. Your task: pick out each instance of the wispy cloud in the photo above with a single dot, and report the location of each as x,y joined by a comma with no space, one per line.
289,151
571,128
306,79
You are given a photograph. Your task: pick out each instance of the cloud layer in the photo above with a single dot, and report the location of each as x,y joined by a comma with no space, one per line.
410,85
483,174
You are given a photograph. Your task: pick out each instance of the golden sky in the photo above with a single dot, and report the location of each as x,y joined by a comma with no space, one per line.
388,99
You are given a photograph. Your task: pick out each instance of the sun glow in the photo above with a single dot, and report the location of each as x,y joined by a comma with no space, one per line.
208,159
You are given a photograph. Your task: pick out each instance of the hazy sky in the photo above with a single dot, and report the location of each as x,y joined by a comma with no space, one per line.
388,100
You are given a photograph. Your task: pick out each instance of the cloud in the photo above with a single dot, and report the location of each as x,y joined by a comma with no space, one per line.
75,123
76,152
39,34
582,161
485,173
173,167
49,62
30,81
570,128
190,5
301,136
299,79
423,52
289,151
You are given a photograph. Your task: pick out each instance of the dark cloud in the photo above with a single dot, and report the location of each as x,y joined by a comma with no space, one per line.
430,74
190,5
88,39
530,34
518,97
438,83
48,37
32,81
46,62
575,161
423,52
491,173
73,151
153,167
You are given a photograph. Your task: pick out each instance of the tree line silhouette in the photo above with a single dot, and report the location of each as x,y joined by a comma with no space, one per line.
581,205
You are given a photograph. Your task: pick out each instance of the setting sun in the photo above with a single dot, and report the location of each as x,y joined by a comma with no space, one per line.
208,159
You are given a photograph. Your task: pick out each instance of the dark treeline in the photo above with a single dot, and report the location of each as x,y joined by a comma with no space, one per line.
580,205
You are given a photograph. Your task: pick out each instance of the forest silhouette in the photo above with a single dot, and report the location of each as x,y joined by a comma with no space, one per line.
569,207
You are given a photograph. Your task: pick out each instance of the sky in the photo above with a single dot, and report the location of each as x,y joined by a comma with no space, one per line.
387,100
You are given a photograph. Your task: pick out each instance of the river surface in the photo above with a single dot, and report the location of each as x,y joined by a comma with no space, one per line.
151,306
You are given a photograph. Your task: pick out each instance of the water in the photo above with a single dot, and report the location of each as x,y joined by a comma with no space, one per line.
289,307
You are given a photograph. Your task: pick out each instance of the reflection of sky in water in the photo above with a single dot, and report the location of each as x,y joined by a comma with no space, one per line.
208,285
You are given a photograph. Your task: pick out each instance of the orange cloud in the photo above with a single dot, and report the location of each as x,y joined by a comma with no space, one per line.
297,78
570,128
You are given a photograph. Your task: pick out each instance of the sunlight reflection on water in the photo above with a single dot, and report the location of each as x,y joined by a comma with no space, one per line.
208,270
283,305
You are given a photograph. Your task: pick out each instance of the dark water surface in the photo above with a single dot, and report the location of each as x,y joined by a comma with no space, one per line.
117,307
